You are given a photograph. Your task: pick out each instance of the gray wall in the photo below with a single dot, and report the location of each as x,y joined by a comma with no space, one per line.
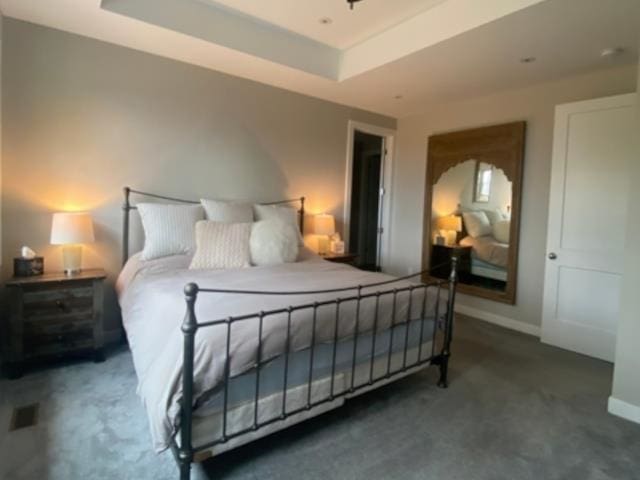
536,106
626,381
84,118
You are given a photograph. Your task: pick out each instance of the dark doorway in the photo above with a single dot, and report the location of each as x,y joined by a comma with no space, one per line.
366,182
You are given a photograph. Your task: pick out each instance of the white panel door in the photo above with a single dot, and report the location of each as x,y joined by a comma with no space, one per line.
593,148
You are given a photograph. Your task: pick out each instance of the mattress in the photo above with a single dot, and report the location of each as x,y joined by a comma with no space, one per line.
153,307
487,270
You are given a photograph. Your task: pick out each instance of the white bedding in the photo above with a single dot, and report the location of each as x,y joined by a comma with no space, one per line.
153,307
488,249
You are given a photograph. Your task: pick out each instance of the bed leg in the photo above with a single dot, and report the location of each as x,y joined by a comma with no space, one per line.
185,468
443,358
444,370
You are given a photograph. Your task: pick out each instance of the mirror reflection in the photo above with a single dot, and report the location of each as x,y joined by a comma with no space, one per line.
471,219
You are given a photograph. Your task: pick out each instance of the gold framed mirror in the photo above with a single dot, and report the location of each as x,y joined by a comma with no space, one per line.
472,208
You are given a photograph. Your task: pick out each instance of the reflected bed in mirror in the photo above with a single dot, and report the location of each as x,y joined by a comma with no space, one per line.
472,208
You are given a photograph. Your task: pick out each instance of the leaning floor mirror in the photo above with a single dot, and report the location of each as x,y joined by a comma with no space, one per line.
472,208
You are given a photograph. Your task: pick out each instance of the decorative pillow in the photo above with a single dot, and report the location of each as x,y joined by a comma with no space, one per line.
168,229
227,212
285,214
273,242
501,231
494,215
221,245
476,223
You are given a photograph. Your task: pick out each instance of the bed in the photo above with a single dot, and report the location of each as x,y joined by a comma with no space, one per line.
224,357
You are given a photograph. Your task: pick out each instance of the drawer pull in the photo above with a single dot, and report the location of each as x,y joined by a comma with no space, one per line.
62,306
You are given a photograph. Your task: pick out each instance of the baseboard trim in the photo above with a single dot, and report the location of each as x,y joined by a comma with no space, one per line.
622,409
499,320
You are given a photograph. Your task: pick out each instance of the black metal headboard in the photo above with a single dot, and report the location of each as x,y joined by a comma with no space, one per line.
127,207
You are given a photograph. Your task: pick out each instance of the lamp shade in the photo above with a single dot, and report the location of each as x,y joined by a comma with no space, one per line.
450,222
324,224
69,228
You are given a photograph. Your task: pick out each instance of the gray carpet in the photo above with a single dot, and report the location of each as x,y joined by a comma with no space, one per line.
516,409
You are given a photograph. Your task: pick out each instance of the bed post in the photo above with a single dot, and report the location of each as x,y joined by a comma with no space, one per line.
448,326
189,329
126,208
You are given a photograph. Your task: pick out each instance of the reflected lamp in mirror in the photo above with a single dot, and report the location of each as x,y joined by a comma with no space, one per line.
71,230
324,226
449,227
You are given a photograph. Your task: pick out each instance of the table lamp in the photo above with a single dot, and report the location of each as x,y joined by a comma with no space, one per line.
71,230
324,226
449,227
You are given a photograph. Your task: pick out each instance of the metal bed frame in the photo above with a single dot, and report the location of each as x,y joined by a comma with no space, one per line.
185,452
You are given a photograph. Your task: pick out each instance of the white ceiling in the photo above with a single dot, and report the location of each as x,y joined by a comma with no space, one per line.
456,49
347,26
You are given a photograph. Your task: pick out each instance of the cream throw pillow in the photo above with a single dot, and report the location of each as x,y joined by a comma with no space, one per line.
477,223
286,215
227,212
221,245
168,229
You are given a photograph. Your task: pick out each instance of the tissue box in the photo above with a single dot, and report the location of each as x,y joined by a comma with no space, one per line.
28,267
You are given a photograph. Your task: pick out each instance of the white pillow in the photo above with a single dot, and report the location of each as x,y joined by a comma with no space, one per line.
227,212
501,231
168,229
273,242
476,223
285,214
494,215
221,245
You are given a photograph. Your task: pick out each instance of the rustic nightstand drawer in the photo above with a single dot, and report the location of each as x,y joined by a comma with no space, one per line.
57,327
41,345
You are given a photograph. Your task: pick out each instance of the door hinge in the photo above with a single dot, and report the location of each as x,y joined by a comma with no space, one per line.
380,230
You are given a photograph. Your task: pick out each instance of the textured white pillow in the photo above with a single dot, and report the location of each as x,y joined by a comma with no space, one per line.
221,245
273,242
227,212
501,231
284,214
168,229
476,223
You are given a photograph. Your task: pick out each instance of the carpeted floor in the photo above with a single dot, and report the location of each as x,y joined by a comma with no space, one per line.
516,409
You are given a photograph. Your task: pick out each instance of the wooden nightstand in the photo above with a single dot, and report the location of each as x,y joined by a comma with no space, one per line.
441,261
53,315
349,258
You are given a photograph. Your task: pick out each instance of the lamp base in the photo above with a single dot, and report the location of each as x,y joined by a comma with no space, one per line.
323,245
72,259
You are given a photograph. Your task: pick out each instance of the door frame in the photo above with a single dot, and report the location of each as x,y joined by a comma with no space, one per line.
384,214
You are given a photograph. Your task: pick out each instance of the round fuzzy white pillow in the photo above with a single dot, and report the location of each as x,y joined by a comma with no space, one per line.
273,242
501,231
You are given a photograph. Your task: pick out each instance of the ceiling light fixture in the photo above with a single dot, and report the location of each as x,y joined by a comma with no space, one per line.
351,2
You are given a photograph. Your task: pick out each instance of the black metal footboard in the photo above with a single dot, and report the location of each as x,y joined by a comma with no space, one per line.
185,451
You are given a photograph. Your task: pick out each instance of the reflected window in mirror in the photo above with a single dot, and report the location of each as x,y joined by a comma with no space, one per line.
482,190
